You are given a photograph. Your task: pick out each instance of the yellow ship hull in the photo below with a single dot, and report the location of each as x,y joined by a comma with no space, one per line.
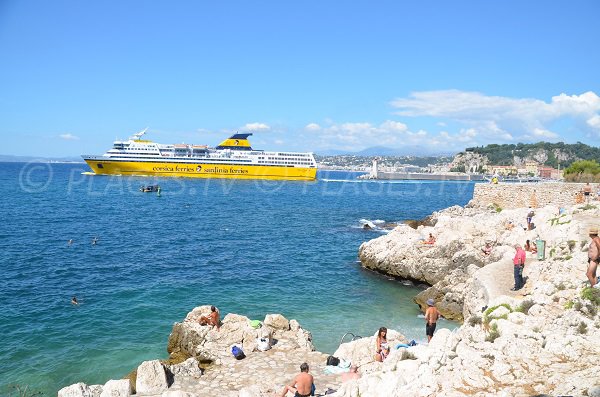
200,170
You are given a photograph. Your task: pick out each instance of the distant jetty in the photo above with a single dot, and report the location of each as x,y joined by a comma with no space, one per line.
424,176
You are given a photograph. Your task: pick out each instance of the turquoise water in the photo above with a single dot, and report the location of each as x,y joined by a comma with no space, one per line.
248,247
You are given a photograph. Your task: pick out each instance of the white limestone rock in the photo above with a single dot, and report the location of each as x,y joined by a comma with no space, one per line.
252,391
117,388
277,322
178,393
77,390
188,368
151,378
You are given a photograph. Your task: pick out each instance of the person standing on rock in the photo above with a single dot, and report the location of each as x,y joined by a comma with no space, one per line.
212,319
431,316
302,385
593,257
519,262
587,192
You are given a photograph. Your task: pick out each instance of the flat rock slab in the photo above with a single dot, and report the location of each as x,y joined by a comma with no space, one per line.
269,370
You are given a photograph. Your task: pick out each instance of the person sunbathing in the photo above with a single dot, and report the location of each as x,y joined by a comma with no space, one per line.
430,239
530,247
212,318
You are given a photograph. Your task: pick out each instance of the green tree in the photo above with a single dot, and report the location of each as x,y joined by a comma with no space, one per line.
583,171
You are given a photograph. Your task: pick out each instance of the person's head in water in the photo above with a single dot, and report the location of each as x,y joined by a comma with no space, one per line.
74,300
382,332
304,367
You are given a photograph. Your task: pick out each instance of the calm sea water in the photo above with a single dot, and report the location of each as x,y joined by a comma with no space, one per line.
248,247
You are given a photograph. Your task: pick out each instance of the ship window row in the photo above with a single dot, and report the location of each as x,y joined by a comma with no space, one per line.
283,158
285,162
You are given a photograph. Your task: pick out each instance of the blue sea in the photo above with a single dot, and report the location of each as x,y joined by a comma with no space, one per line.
248,247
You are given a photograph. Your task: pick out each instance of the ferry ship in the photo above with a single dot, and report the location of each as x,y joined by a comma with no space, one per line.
232,158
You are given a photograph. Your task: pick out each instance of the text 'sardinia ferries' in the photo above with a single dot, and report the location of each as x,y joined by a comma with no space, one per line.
233,158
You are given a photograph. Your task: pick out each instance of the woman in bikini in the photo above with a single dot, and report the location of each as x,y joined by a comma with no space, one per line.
383,349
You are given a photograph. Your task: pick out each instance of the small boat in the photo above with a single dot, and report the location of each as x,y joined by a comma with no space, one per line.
150,189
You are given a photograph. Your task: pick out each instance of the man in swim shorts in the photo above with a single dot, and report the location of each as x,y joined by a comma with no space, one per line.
431,316
593,257
302,385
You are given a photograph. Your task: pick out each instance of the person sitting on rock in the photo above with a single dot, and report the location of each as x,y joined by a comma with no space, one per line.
487,249
430,239
302,385
383,348
212,319
509,225
530,247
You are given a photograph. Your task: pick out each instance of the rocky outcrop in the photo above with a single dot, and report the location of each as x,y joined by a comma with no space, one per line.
540,340
209,344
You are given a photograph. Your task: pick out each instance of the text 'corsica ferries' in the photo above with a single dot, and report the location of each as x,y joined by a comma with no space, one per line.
233,158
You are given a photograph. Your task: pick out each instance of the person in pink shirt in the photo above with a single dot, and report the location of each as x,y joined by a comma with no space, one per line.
519,262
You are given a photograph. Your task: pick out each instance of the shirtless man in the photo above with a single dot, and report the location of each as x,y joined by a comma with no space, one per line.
352,375
212,319
302,384
587,192
431,316
593,257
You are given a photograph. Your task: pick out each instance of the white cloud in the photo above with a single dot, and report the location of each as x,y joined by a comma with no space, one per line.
496,118
279,142
312,127
357,136
68,137
255,127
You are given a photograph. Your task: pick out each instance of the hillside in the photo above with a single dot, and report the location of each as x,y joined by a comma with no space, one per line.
545,153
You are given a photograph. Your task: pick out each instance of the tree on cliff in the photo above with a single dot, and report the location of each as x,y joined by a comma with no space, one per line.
583,171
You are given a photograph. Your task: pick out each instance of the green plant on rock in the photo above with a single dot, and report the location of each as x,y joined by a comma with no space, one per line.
474,320
493,333
591,294
571,244
561,286
582,244
552,252
496,207
567,258
525,306
489,310
556,220
588,207
569,305
577,305
582,328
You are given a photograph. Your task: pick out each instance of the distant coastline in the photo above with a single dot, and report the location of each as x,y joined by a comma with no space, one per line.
8,158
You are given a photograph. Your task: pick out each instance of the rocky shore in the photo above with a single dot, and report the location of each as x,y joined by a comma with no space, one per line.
541,340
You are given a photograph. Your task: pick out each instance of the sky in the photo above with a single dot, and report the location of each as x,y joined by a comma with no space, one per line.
320,76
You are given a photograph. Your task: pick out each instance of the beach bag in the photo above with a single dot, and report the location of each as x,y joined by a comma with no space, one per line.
238,353
333,361
262,344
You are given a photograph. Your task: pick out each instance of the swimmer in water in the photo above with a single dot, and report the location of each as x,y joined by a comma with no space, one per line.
94,240
74,300
70,242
